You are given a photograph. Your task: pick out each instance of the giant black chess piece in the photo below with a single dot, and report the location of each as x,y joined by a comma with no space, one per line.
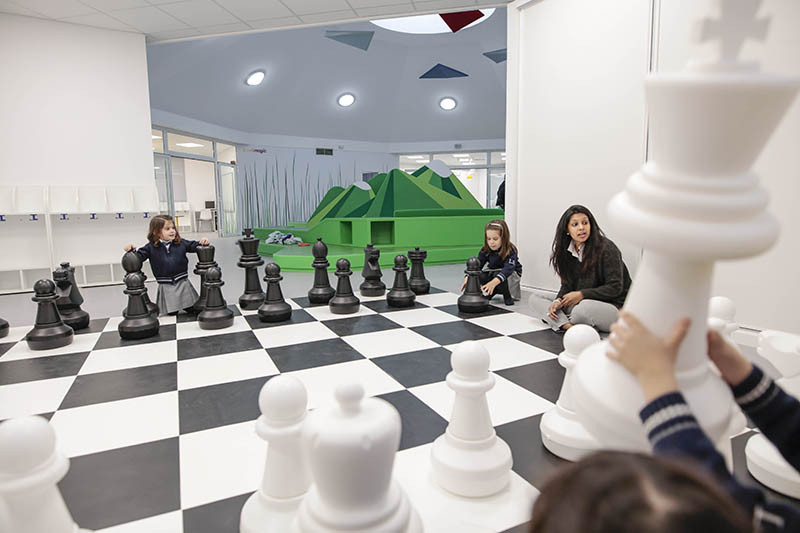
216,314
321,292
205,260
134,264
253,296
473,300
3,328
49,331
274,308
344,301
400,295
69,298
372,285
139,322
417,281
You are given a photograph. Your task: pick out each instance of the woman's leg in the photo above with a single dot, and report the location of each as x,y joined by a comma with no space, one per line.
599,315
540,303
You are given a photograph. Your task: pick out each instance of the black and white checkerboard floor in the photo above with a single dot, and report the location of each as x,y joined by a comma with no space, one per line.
160,432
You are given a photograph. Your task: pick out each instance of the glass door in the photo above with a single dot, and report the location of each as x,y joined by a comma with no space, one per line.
163,175
227,213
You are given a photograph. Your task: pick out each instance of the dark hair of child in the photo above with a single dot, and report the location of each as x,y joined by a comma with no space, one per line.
619,492
506,246
157,223
592,248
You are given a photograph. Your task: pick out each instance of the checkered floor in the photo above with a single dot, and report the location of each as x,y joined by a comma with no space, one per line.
160,431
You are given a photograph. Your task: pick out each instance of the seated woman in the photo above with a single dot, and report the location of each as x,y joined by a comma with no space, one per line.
594,278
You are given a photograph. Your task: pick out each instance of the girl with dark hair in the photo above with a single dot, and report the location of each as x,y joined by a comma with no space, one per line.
500,256
594,278
167,254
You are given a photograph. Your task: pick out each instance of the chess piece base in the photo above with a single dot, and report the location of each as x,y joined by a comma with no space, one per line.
152,309
215,318
49,337
275,312
474,469
138,328
264,514
769,467
321,295
565,436
253,300
472,304
372,288
344,305
76,319
3,328
419,286
402,298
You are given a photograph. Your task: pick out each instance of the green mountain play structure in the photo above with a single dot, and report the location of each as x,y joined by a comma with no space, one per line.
395,211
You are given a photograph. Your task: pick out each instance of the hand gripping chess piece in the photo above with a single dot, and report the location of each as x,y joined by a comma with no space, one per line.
417,281
351,448
473,300
696,201
138,323
253,296
321,292
372,285
764,461
69,298
205,260
562,431
469,459
344,301
30,468
132,261
274,308
400,295
49,331
273,507
216,314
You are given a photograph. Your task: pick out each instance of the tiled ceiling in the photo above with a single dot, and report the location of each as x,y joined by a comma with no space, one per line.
164,20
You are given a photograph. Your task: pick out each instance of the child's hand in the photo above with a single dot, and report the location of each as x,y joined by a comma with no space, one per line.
490,286
129,247
463,285
204,241
730,362
571,298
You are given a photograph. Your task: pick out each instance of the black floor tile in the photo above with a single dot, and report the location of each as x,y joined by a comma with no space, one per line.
96,325
298,317
435,290
6,346
491,311
360,324
546,339
454,332
117,486
381,306
111,339
303,302
532,461
412,369
543,378
312,354
219,405
192,317
239,341
221,516
52,366
420,423
121,384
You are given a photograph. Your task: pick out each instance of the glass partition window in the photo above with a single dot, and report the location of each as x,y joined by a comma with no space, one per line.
226,153
474,179
158,141
462,159
410,163
190,145
496,177
498,159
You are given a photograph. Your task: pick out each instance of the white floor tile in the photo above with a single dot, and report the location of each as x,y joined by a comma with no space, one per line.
371,298
509,323
420,317
505,352
190,330
507,400
221,462
80,343
110,425
152,353
16,334
293,334
224,368
388,342
247,312
33,397
162,523
114,321
323,312
439,299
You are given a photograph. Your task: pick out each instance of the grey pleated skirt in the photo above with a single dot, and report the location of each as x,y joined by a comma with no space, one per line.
174,298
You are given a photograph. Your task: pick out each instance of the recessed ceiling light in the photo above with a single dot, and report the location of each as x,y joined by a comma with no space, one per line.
255,78
416,157
346,100
156,136
425,23
189,145
447,103
156,168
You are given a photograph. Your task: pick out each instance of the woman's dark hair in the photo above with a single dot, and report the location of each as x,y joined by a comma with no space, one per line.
506,246
619,492
157,223
592,248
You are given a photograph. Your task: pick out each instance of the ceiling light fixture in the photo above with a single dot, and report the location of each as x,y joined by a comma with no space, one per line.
346,100
255,78
189,145
447,103
156,137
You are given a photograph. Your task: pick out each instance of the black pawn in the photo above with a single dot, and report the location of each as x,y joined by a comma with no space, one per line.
372,285
49,331
321,292
274,308
253,296
417,281
205,260
3,328
132,263
216,314
139,322
344,301
473,300
69,298
400,295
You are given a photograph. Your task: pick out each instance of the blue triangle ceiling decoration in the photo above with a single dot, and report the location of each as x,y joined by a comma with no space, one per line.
498,56
356,39
443,71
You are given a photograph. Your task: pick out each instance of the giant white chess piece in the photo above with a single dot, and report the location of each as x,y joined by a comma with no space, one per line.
562,431
695,202
351,448
30,468
273,507
764,461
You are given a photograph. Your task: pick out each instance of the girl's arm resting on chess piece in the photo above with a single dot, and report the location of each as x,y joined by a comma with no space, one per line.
191,246
143,252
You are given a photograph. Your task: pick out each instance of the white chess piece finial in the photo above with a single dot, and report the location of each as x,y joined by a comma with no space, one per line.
469,459
736,23
283,401
30,468
562,432
351,448
722,316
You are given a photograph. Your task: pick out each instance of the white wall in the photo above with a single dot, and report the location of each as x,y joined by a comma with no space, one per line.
74,103
200,183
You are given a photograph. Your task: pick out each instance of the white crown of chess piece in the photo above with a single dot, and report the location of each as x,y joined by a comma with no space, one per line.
30,468
764,461
722,316
351,448
469,459
562,431
696,201
271,509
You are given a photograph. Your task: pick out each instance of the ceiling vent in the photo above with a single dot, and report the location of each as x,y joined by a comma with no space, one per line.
324,151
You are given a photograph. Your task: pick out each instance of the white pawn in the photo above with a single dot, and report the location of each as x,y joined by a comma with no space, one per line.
30,468
273,507
469,459
562,431
351,448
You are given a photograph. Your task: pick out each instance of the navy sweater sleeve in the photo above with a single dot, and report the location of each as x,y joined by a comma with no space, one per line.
483,257
509,266
673,431
144,251
191,246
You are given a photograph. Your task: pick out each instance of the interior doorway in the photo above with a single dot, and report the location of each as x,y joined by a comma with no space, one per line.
194,193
